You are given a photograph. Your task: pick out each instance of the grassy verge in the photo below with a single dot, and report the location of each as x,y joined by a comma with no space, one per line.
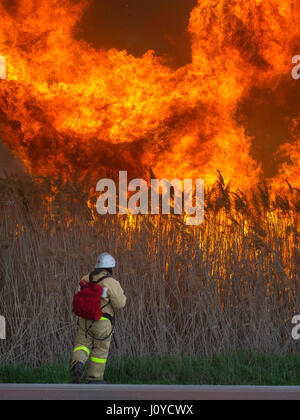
235,369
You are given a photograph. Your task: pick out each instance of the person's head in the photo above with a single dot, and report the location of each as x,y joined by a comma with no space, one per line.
105,262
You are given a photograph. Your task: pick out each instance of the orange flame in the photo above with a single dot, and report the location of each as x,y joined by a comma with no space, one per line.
66,106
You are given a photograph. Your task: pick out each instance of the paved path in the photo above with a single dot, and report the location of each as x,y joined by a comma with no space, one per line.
145,392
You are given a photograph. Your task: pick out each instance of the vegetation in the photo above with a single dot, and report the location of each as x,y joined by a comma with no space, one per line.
227,285
235,369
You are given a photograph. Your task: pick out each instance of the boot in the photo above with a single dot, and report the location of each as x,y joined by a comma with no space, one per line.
94,382
77,373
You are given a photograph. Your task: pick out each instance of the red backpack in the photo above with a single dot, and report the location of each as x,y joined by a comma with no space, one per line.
86,303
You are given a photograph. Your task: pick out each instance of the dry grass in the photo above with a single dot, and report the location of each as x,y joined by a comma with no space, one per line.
230,284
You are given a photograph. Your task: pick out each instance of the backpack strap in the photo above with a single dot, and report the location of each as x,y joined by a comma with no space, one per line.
87,329
99,281
109,317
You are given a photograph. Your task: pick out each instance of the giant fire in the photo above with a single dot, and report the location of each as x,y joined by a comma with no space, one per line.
67,107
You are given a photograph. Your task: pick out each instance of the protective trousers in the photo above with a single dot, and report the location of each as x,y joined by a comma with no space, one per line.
92,344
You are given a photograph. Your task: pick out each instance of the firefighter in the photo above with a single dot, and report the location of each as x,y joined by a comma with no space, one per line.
94,337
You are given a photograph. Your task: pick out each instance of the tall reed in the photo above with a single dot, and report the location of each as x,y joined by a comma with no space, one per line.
231,283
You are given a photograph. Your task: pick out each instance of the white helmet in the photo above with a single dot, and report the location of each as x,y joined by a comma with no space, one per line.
105,261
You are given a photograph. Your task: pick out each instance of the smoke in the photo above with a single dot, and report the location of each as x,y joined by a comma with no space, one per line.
271,118
9,164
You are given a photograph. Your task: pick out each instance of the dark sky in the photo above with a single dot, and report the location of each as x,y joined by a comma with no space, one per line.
140,25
